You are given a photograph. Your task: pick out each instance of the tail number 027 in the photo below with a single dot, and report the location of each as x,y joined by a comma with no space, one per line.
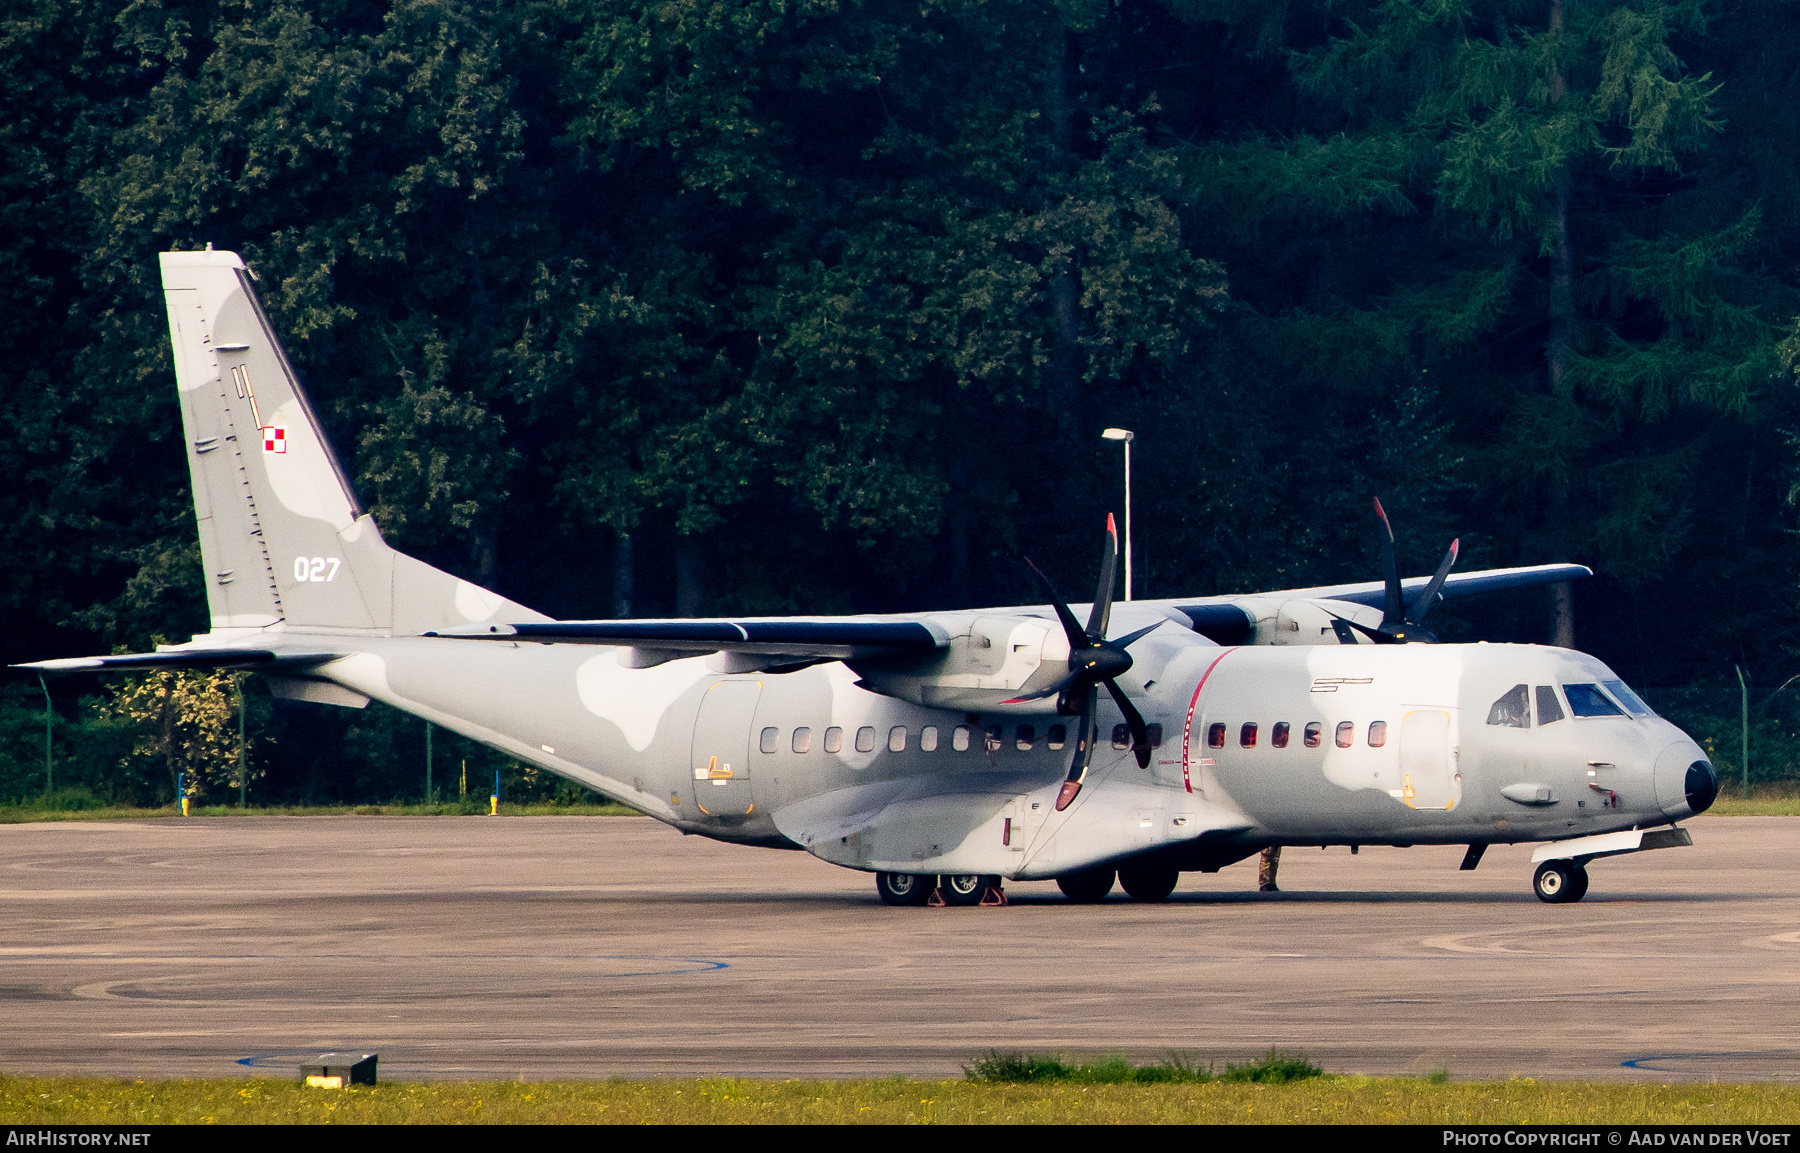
316,568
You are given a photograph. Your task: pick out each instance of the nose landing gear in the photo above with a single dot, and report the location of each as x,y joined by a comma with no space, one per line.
1560,882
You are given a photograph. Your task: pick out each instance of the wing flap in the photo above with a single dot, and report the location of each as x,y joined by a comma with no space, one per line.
839,638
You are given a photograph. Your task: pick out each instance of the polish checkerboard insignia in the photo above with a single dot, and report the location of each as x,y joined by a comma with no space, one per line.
274,438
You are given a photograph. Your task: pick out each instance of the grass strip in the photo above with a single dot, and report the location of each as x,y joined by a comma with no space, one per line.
1330,1100
21,814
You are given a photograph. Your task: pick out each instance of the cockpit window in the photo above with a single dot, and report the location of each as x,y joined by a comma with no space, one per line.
1549,708
1589,701
1512,710
1633,703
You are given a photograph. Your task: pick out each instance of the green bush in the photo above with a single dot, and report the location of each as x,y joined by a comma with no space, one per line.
74,799
1273,1068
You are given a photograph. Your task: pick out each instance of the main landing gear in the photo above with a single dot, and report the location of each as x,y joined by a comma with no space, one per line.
932,889
1559,882
1140,882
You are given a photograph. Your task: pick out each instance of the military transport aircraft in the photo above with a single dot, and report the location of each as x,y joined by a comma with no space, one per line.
945,752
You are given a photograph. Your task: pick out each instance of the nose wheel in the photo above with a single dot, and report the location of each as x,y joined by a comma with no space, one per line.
1560,882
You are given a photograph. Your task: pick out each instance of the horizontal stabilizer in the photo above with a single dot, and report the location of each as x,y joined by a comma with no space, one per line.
182,659
838,638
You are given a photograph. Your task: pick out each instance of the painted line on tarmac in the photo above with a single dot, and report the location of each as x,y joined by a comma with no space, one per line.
1647,1064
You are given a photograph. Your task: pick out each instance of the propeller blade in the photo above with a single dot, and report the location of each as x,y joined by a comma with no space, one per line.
1381,638
1140,732
1078,639
1139,635
1084,754
1059,686
1101,613
1428,597
1393,613
1345,634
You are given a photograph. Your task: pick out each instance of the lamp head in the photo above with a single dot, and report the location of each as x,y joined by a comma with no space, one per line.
1118,434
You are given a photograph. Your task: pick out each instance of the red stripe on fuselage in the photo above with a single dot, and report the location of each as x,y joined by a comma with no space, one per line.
1187,730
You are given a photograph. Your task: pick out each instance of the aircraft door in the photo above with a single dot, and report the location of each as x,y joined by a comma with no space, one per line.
1428,770
721,786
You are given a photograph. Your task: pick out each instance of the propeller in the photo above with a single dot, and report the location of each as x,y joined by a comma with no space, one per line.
1400,622
1093,661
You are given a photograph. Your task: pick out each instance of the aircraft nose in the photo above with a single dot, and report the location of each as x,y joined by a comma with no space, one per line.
1685,781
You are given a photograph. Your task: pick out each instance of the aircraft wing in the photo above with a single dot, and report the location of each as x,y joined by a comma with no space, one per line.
262,660
1456,585
1226,619
822,638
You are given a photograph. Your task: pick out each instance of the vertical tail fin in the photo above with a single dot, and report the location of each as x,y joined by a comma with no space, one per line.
282,535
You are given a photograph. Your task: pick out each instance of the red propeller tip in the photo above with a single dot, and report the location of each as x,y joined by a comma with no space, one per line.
1063,798
1455,545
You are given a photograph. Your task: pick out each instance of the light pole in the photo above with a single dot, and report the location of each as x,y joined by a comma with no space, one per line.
1126,436
49,714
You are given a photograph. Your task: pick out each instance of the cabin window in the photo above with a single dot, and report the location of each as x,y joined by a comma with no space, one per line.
1121,736
1215,736
1633,703
865,739
1278,736
1057,737
1549,708
1315,731
1027,736
1512,710
995,737
1377,734
802,740
1155,734
1589,701
834,740
1346,734
959,738
770,739
897,739
928,739
1247,735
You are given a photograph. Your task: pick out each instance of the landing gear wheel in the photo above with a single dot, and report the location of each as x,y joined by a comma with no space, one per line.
1149,882
1578,882
1087,886
904,888
965,888
1559,882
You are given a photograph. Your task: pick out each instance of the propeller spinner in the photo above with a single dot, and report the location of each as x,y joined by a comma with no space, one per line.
1400,622
1093,661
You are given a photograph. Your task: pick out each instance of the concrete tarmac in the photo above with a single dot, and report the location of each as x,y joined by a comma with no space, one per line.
612,946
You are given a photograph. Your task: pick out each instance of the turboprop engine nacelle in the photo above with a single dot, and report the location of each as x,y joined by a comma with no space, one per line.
993,658
1302,622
